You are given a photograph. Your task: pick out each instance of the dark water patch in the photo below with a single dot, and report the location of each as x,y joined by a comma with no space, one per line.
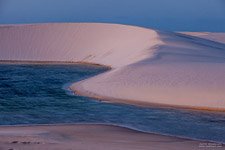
34,94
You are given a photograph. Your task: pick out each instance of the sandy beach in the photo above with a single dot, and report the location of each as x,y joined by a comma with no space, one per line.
94,137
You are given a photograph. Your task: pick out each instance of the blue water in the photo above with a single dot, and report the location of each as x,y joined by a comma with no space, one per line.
34,94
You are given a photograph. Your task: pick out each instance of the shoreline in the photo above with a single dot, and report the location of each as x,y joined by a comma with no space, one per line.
78,90
82,92
96,136
21,62
107,125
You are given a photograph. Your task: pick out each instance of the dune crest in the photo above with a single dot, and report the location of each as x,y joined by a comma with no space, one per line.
74,42
148,66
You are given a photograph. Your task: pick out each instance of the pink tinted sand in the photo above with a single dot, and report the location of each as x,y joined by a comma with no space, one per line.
94,137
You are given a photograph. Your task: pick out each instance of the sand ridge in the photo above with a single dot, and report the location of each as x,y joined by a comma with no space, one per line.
213,36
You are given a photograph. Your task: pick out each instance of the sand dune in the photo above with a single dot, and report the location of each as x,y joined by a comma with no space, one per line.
148,66
105,44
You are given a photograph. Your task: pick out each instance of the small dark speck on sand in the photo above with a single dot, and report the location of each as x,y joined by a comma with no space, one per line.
25,142
14,142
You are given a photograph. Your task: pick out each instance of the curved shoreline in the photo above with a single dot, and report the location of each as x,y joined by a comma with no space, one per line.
78,90
186,71
81,92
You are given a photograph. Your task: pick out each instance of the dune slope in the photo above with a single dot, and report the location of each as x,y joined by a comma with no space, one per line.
148,66
214,36
88,42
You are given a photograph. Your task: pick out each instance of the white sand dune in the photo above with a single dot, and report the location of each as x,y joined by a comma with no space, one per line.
148,66
105,44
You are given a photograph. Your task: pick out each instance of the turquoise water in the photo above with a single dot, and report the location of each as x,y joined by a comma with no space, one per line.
35,94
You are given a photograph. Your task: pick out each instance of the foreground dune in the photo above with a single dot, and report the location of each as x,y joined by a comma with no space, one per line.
94,137
148,66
